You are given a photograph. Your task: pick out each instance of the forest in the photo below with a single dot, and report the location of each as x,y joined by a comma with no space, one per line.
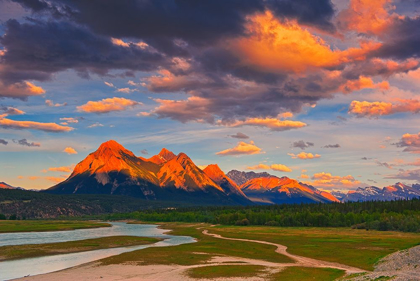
399,215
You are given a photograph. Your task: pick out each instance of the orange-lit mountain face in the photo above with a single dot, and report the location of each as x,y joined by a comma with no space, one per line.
218,176
4,185
277,190
112,169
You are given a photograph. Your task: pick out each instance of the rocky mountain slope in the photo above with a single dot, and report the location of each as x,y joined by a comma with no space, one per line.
112,169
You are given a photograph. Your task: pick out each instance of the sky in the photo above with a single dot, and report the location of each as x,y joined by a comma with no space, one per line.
326,92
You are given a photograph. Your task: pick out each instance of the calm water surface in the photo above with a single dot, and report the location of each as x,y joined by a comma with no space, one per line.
33,266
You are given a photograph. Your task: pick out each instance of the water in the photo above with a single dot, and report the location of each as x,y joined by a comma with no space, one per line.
33,266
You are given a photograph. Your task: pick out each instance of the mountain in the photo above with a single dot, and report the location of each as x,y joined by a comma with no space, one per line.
275,190
4,185
373,193
229,186
112,169
242,177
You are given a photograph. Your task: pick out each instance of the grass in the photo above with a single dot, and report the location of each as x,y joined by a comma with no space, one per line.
198,253
38,250
359,248
308,274
43,225
225,271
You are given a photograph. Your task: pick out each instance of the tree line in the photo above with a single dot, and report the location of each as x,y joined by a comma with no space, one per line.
399,215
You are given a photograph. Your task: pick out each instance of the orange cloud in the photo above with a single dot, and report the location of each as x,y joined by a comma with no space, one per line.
363,83
366,16
107,105
328,180
56,179
271,123
377,108
242,148
31,125
70,150
274,167
304,155
284,46
21,90
64,169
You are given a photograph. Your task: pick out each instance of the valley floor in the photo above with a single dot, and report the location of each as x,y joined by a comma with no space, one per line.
260,253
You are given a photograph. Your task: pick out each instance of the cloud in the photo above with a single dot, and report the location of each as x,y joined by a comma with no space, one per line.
384,164
274,167
56,179
50,103
126,90
69,120
19,90
242,148
272,123
109,84
410,142
24,142
97,124
375,109
108,105
304,156
413,175
12,111
32,125
4,142
327,180
332,146
302,145
64,169
144,152
239,135
363,83
70,150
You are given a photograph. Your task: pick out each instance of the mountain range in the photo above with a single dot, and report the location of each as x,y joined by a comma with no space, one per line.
112,169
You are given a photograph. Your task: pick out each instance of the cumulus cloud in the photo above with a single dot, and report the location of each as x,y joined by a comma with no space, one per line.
327,180
63,169
242,148
274,167
4,142
70,150
24,142
377,108
302,144
19,90
239,135
32,125
304,155
97,124
410,142
69,120
144,152
108,105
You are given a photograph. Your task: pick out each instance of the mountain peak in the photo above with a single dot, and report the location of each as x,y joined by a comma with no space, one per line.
167,154
214,170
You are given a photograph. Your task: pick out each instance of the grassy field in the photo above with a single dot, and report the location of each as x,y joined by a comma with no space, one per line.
308,274
359,248
42,225
226,271
38,250
200,252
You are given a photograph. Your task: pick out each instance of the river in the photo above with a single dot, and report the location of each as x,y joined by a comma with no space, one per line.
34,266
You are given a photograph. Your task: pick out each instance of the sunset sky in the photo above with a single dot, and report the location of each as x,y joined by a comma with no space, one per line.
326,92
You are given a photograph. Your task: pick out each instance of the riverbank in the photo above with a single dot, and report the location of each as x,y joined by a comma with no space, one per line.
9,226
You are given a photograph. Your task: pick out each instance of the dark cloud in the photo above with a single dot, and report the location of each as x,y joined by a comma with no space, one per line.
332,146
144,152
302,144
2,141
24,142
365,158
57,46
239,135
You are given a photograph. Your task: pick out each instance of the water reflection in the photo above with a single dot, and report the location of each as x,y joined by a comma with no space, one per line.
34,266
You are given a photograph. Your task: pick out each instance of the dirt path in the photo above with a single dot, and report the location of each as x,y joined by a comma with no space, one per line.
300,261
